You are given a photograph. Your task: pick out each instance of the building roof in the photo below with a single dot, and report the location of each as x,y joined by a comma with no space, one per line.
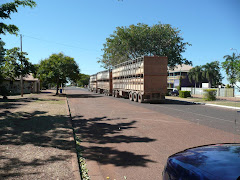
180,68
28,77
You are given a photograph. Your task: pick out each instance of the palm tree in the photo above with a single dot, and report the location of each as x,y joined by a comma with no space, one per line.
211,72
231,66
196,74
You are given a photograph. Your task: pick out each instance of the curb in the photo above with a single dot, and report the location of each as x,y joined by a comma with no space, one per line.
75,164
229,107
208,104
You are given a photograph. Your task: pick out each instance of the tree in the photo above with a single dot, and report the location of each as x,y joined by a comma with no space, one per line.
16,64
139,40
2,54
232,67
84,80
211,71
58,69
196,74
5,13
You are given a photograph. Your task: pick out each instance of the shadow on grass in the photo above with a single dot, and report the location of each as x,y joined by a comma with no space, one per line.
17,165
38,129
34,128
15,103
105,131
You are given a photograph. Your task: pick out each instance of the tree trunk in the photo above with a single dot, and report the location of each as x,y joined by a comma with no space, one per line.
57,88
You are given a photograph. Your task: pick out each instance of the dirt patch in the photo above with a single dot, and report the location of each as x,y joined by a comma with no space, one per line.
36,138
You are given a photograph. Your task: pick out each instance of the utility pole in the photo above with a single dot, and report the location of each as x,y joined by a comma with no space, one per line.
21,76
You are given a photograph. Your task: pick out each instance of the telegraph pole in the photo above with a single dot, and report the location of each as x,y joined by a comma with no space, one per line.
21,76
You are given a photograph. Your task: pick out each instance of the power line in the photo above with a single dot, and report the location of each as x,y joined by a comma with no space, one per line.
58,43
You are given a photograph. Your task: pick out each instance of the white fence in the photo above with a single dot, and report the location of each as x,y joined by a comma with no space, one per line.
221,92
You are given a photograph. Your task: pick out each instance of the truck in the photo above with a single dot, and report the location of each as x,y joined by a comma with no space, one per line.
141,79
104,82
92,86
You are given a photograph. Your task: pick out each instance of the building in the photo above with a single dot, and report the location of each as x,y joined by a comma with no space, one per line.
30,85
174,75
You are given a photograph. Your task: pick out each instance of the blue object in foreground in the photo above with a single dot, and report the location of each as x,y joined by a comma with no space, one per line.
215,162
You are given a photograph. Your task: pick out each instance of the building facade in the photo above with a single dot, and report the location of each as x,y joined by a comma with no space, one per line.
30,85
174,75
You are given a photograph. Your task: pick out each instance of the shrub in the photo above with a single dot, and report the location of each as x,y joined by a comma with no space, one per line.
4,92
209,94
184,94
228,86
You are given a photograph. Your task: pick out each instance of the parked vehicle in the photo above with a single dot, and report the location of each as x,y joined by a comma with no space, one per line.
174,93
141,79
104,82
93,83
212,162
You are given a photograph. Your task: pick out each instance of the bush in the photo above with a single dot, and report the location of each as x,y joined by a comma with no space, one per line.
184,94
209,94
4,92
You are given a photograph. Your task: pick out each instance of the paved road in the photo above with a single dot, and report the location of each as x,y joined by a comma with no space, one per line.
126,139
216,117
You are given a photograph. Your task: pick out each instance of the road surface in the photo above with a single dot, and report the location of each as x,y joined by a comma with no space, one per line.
126,140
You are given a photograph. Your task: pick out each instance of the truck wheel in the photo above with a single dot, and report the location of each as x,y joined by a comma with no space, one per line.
140,98
130,96
135,97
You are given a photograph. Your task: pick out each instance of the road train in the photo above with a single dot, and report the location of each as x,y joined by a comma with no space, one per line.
141,79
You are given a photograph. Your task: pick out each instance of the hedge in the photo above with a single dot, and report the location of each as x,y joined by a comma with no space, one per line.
209,94
184,94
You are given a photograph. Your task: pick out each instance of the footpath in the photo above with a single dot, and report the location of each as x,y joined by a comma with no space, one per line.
36,138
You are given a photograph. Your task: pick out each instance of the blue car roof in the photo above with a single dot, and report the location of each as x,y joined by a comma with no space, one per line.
218,161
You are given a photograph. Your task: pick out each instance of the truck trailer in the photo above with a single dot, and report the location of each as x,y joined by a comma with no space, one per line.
104,82
141,79
92,86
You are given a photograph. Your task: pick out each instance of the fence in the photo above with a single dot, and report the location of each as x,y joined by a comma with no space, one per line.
221,92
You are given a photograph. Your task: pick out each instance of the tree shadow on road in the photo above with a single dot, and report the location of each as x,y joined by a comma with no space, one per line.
178,102
103,131
84,96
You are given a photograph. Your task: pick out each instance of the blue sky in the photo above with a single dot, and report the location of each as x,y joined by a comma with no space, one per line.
79,28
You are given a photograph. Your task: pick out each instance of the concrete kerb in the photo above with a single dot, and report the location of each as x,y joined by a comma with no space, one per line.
229,107
208,104
75,163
